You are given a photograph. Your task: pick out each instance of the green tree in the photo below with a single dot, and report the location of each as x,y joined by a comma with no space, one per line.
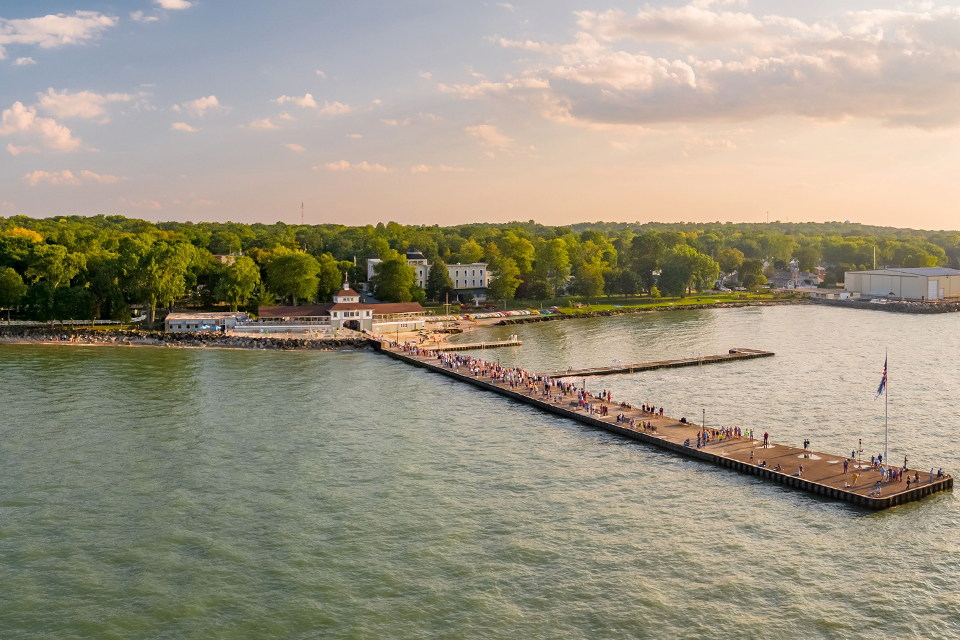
751,274
238,282
160,275
394,278
224,242
330,277
470,252
53,263
678,270
588,278
730,259
294,274
646,253
705,272
506,278
439,284
553,263
12,289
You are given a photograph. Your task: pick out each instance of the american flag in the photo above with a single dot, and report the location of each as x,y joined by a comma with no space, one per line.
883,381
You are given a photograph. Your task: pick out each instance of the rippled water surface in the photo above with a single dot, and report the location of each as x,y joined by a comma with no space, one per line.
166,493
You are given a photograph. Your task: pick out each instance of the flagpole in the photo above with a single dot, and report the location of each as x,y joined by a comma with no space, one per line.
886,402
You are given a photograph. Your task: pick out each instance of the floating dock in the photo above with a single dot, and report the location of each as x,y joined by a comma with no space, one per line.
823,473
733,354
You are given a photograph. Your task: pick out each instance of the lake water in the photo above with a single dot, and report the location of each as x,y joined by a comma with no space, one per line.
164,493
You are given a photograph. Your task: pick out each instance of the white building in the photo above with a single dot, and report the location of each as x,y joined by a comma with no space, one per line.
925,283
196,322
468,279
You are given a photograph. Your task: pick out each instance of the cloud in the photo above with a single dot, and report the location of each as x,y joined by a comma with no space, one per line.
203,202
355,136
56,178
429,117
286,116
489,136
201,106
101,178
321,73
334,109
22,62
305,101
150,205
263,123
396,123
24,121
343,165
15,150
714,62
51,31
183,126
426,75
83,104
506,5
173,4
137,16
422,168
295,147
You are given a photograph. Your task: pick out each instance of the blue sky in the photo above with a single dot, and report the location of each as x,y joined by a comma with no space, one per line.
450,112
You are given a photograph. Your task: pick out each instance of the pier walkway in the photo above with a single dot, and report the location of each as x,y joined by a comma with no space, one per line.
823,473
734,354
469,346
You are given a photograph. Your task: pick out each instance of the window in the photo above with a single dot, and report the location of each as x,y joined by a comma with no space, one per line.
474,272
457,283
474,282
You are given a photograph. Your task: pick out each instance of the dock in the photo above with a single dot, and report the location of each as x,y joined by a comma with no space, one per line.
730,356
823,473
469,346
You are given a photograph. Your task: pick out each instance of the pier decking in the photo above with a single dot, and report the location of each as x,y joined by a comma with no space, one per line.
733,354
469,346
822,472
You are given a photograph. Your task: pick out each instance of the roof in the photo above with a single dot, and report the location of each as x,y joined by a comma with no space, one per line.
350,306
929,272
205,316
397,307
348,292
312,311
415,255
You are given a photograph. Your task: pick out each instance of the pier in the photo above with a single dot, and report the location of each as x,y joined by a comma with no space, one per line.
733,354
823,473
469,346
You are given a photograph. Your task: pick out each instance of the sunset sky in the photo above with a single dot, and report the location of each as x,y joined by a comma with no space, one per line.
448,112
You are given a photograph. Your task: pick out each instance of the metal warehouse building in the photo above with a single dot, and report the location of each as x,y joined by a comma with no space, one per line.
927,283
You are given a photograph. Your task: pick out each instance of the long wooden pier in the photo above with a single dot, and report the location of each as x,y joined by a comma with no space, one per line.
469,346
733,354
823,473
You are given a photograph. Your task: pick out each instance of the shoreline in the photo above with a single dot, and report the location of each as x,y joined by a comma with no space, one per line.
89,338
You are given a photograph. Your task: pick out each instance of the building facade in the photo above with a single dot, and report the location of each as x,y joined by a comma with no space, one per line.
468,279
922,284
198,322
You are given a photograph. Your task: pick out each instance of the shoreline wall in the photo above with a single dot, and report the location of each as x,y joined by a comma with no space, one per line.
633,310
182,340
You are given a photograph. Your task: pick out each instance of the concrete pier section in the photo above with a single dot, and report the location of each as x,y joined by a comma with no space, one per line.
733,354
823,473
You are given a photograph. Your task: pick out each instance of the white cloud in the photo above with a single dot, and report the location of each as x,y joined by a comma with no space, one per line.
377,101
343,165
83,104
22,62
396,123
201,106
204,202
137,16
24,121
15,150
306,101
263,123
50,31
715,62
54,178
286,116
426,75
151,205
422,168
101,178
295,147
183,126
489,136
173,4
355,136
429,117
321,73
334,109
506,5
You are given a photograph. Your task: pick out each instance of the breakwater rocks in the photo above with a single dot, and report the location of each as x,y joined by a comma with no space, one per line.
183,340
900,307
629,310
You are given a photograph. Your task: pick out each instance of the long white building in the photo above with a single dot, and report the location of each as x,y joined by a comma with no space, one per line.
468,279
925,283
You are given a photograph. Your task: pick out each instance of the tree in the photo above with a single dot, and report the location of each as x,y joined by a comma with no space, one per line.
678,270
730,259
808,258
52,262
160,275
506,278
224,242
294,274
439,284
751,274
645,255
394,278
705,272
238,282
330,277
588,278
12,289
470,252
553,263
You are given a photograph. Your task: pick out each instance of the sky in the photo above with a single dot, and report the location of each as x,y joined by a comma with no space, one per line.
456,111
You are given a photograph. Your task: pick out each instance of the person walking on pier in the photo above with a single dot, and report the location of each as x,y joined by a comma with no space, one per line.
766,439
845,463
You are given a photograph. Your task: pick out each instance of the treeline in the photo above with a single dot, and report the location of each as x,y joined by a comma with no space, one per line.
98,267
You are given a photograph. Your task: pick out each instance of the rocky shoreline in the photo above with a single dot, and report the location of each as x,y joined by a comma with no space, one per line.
181,340
898,307
633,310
